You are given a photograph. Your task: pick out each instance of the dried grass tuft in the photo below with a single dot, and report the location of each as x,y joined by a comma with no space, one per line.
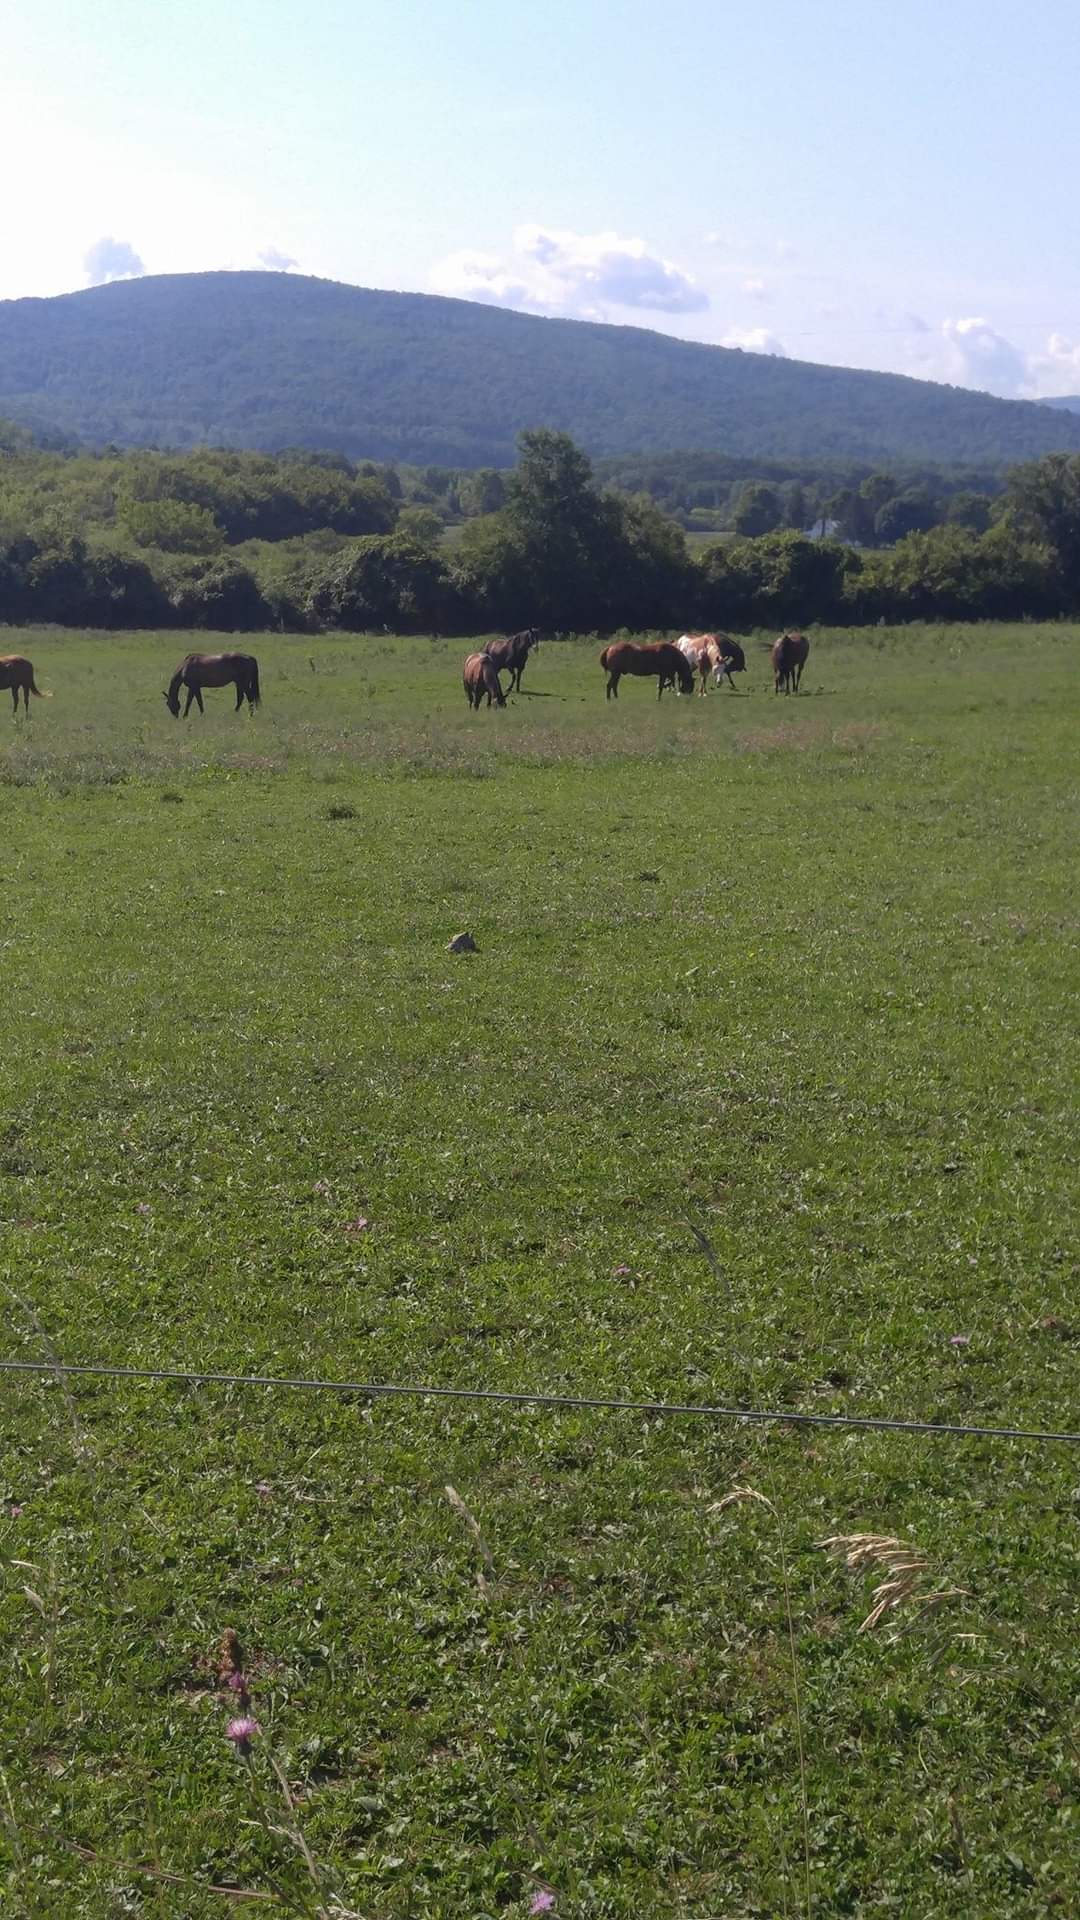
908,1574
473,1526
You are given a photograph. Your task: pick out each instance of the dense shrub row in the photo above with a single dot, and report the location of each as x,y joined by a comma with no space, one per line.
558,553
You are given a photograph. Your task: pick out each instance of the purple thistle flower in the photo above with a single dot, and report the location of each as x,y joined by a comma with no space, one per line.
241,1732
542,1902
960,1340
237,1683
620,1274
142,1206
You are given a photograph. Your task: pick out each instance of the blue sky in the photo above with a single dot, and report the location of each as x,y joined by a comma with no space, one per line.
890,186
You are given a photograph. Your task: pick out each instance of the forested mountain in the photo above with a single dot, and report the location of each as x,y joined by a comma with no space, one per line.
1067,403
269,360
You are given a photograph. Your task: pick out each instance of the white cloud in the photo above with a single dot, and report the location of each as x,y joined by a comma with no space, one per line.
755,340
552,270
110,259
1056,371
276,261
981,357
756,288
469,275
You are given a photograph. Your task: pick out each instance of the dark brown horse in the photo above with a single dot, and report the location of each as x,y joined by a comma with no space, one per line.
662,661
18,674
732,660
480,675
789,656
199,670
511,655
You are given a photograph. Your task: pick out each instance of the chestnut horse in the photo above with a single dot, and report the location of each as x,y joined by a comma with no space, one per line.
18,674
662,660
788,656
199,670
480,675
715,653
511,655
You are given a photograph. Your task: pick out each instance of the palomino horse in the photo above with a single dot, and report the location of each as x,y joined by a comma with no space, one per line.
480,675
199,670
18,674
511,655
715,653
662,660
788,656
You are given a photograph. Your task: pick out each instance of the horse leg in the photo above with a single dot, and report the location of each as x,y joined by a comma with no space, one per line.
612,687
15,701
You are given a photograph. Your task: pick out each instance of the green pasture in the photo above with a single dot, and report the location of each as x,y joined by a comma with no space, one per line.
760,1089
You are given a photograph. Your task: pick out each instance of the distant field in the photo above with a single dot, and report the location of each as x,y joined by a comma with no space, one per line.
798,974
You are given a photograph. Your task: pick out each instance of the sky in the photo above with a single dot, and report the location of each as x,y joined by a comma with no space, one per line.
871,184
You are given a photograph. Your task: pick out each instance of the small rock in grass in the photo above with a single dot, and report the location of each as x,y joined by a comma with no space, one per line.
462,943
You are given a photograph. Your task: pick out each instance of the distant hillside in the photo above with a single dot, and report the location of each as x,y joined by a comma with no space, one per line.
1069,403
268,360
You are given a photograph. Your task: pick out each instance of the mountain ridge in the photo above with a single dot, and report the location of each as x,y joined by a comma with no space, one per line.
270,360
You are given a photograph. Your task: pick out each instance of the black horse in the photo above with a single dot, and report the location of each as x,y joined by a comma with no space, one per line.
512,654
199,670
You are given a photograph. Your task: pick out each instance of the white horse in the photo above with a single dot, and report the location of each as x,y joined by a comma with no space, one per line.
713,653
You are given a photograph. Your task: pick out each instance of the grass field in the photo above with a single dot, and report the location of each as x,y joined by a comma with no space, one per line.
800,975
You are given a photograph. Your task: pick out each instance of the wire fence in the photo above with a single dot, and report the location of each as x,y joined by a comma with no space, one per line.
673,1409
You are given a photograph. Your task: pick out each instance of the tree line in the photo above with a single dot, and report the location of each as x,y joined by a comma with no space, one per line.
300,542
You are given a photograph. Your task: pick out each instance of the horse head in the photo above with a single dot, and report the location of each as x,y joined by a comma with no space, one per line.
172,701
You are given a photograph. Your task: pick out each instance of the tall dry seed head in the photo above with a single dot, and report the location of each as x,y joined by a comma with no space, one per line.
907,1574
737,1494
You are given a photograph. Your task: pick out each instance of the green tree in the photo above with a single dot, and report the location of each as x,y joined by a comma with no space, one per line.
481,492
757,511
913,511
1044,498
386,581
969,509
775,580
421,524
554,510
222,595
796,511
876,489
173,526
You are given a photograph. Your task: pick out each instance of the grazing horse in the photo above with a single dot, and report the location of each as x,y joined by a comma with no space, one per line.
480,675
788,657
199,670
713,652
18,674
662,660
511,655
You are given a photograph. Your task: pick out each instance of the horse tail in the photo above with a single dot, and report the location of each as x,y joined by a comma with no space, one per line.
253,693
36,690
604,655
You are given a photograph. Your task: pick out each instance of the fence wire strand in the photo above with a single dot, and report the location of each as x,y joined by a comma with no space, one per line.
567,1402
